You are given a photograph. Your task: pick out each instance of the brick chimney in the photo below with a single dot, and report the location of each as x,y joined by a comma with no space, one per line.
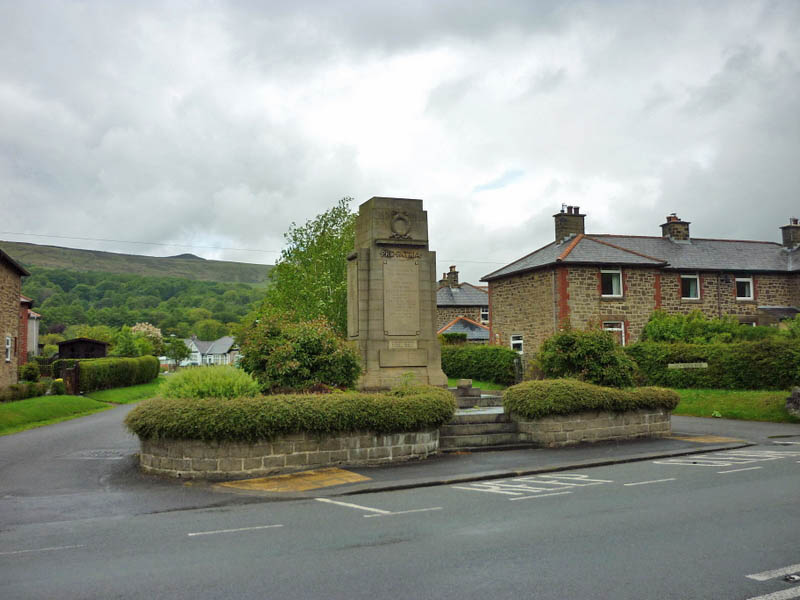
450,279
675,229
569,222
791,233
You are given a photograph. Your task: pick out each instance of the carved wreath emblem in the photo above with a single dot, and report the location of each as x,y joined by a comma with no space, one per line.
400,225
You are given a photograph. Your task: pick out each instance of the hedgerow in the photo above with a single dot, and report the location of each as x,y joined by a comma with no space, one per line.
104,373
770,364
250,419
209,382
484,363
543,398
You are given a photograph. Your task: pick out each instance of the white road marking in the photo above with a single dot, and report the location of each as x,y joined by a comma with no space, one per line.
728,458
782,595
646,482
405,512
540,496
532,485
767,575
50,549
358,506
196,533
787,443
481,489
740,470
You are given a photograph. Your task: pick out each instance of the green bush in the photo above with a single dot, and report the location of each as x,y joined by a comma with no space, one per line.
209,382
58,367
57,388
21,391
482,363
696,328
250,419
45,365
543,398
454,338
282,354
592,356
105,373
29,372
770,364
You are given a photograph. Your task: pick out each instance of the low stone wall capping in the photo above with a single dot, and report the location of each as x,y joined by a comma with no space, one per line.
594,426
193,459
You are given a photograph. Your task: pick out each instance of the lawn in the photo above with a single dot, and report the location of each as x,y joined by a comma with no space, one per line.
735,404
45,410
126,395
484,385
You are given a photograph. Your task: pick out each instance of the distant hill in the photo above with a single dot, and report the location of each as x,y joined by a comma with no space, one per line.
184,266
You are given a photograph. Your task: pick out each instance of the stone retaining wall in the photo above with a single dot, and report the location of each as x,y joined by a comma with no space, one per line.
595,426
191,459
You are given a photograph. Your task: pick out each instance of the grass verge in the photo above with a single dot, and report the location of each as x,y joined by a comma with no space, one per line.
126,395
746,405
45,410
484,385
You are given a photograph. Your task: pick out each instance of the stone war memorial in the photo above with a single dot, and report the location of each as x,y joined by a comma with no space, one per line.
391,295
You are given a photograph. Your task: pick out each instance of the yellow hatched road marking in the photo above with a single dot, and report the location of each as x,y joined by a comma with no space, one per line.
298,482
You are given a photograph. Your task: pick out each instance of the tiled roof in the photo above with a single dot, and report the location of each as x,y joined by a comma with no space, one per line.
220,346
475,331
697,254
464,295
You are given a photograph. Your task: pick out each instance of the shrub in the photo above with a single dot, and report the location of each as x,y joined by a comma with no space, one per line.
250,419
45,365
454,338
543,398
210,382
592,356
20,391
771,364
285,355
105,373
57,388
29,372
483,363
696,328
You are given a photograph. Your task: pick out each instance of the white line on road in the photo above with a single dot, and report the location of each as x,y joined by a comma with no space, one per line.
196,533
767,575
358,506
540,496
41,550
738,470
405,512
782,595
646,482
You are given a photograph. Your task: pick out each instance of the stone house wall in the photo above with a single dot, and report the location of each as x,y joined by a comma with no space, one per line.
10,288
446,314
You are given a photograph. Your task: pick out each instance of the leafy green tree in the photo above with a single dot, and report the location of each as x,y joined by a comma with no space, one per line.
209,329
176,349
310,277
125,346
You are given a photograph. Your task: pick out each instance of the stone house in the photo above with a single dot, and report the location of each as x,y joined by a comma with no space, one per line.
11,274
476,333
454,299
617,281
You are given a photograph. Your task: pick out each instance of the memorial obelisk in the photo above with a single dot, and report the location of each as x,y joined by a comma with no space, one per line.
391,295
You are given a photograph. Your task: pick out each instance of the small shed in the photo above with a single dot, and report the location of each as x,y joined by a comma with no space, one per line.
82,348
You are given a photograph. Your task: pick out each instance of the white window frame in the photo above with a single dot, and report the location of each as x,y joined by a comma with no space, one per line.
484,314
736,288
621,328
613,272
517,343
9,343
696,277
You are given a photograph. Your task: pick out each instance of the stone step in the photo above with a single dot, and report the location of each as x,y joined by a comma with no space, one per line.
482,401
477,428
449,442
480,417
498,448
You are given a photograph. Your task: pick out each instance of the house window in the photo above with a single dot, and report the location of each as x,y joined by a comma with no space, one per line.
690,287
516,343
8,348
484,314
611,283
617,328
744,288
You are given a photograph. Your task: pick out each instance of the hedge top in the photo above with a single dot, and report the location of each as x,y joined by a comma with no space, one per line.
537,399
250,419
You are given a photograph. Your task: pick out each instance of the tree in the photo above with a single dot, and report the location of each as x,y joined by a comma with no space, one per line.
209,329
310,278
125,346
176,349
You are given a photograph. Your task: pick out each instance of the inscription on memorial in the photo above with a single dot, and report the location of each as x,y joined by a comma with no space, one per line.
401,297
352,298
402,344
387,253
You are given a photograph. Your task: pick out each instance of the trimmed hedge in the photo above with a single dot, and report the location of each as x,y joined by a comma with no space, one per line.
105,373
771,364
209,382
484,363
251,419
546,397
23,390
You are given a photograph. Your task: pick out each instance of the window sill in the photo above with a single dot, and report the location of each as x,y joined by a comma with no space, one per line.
612,298
746,300
692,300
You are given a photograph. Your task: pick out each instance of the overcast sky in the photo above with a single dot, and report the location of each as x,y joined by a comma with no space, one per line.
220,123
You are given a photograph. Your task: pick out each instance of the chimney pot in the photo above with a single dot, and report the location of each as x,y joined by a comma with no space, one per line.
791,233
568,223
675,229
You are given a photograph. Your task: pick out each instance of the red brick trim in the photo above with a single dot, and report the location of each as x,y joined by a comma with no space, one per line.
657,290
569,248
460,318
491,320
627,332
700,281
624,283
563,295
